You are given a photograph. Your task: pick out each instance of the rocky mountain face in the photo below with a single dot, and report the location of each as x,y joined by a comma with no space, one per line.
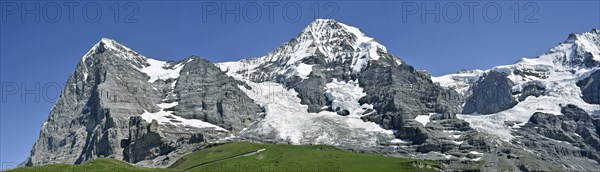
542,111
333,85
490,94
551,142
590,88
122,105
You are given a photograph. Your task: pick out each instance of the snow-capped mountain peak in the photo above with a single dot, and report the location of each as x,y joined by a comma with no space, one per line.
579,55
326,34
323,42
579,50
110,50
106,44
554,75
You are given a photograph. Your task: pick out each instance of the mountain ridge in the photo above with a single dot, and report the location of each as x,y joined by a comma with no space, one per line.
331,85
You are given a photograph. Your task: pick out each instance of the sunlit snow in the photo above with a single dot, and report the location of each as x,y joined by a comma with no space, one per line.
167,117
557,71
158,70
291,120
423,119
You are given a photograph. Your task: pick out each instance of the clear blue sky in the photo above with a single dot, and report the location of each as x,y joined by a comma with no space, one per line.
47,51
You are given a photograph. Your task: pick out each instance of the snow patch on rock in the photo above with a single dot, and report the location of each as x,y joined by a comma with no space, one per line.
303,70
423,119
167,117
461,82
345,96
160,70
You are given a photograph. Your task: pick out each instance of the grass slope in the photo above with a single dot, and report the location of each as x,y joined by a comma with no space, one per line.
97,165
243,156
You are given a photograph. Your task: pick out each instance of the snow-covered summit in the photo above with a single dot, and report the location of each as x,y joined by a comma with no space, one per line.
106,44
324,42
578,51
579,55
113,50
554,73
326,32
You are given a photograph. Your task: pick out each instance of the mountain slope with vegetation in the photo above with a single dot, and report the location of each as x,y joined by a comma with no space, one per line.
244,156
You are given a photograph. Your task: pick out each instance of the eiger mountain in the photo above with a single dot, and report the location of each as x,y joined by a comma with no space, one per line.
331,85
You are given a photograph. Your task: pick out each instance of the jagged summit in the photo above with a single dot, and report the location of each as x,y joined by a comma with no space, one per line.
546,82
585,35
322,23
118,49
324,42
110,52
332,37
327,28
578,55
579,50
331,25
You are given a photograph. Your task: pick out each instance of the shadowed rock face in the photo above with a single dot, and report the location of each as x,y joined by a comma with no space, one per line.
570,138
405,91
98,112
531,90
205,92
401,93
590,88
91,116
145,141
491,94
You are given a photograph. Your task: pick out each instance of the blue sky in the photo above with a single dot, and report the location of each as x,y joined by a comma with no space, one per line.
45,52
